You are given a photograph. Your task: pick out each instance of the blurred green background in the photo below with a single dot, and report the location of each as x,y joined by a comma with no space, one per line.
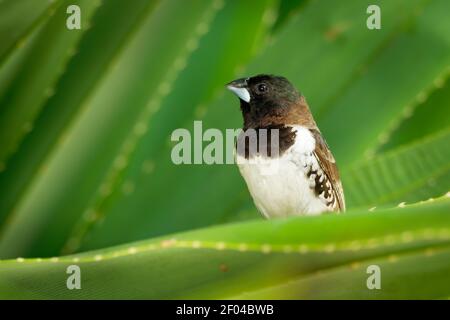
86,117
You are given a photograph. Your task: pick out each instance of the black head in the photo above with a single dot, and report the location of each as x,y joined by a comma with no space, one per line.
264,97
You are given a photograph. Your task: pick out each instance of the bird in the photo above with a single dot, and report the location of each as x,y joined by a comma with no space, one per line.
306,180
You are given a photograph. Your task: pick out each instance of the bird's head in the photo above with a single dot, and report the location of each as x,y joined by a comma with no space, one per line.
266,100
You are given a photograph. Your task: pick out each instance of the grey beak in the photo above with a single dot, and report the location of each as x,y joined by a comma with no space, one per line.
239,87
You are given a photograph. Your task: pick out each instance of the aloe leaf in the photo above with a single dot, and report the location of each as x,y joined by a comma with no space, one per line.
285,258
286,11
401,278
32,84
111,28
135,99
427,118
18,19
13,64
403,80
133,85
406,174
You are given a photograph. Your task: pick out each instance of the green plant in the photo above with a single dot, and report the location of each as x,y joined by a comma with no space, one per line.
85,123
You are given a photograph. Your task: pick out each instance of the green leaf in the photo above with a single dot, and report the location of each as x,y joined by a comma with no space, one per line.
53,45
313,257
110,30
133,85
126,99
286,11
401,278
398,77
426,118
18,19
407,174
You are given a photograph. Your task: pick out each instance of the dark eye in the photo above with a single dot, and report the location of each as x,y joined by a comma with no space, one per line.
262,88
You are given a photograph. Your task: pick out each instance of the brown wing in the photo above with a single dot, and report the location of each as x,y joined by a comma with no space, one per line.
330,186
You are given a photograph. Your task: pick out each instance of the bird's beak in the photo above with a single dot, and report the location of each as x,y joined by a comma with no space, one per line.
239,87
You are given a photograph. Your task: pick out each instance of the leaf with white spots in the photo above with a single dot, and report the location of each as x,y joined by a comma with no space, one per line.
424,119
32,83
108,118
409,174
18,20
299,258
78,81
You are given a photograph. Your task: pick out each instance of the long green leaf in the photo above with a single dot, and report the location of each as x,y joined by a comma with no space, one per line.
428,117
286,258
419,274
406,71
18,19
33,84
111,29
408,174
138,87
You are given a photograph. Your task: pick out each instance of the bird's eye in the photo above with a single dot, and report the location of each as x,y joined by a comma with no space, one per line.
262,88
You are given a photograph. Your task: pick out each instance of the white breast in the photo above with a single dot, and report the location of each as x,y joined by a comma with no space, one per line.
280,186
